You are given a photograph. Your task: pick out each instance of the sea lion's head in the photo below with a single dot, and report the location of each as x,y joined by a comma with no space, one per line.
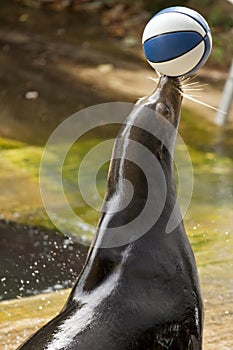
166,99
159,114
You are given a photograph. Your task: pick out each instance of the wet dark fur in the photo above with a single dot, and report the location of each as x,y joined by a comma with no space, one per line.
155,303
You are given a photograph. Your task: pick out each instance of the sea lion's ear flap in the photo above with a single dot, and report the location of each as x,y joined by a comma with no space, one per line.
159,151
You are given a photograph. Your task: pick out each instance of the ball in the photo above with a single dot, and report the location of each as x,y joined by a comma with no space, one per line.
177,41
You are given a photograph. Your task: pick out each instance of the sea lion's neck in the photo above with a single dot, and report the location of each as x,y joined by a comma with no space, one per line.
141,172
127,194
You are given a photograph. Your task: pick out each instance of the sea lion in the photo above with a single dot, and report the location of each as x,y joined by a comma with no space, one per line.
144,294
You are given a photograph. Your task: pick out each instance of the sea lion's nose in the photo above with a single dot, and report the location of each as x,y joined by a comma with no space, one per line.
166,82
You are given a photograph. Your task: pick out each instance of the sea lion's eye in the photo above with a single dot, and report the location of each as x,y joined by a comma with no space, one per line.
162,109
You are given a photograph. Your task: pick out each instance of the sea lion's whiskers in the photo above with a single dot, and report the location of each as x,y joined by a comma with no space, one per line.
194,89
185,79
195,96
194,86
156,80
191,98
159,74
193,83
188,79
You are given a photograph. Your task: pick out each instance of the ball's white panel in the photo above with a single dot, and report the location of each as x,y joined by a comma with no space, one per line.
181,65
171,22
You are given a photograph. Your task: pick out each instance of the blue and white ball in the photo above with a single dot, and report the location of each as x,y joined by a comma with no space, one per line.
177,41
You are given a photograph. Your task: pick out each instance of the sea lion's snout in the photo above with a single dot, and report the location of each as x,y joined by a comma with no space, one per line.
168,99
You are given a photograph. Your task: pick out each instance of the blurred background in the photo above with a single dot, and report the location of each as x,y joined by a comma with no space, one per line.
56,58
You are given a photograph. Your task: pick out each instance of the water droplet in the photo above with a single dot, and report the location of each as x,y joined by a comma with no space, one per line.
31,95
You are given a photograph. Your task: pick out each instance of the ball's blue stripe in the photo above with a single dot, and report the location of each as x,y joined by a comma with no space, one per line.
168,46
204,57
188,12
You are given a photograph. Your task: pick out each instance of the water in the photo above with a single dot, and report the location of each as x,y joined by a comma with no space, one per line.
25,127
36,260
